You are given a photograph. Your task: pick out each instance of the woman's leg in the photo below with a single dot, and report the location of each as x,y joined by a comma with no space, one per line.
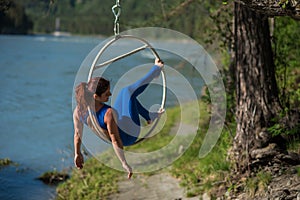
139,86
128,107
146,114
128,95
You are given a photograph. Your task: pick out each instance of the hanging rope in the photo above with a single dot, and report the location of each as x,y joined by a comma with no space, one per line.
116,9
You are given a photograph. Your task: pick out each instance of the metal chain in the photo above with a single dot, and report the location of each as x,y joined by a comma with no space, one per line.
116,9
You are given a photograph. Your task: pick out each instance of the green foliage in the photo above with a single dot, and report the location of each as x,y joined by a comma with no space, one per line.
286,45
96,17
205,97
286,124
251,186
264,178
13,19
53,177
97,181
220,38
282,129
284,3
94,181
294,144
276,129
162,138
5,162
199,175
258,183
220,31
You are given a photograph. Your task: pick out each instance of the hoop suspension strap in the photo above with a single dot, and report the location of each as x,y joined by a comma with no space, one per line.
116,9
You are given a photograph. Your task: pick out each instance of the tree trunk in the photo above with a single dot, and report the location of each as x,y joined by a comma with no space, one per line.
256,89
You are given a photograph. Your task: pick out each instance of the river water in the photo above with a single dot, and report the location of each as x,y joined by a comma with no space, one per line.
36,82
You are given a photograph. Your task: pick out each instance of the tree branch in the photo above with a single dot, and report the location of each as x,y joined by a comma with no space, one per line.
274,7
179,8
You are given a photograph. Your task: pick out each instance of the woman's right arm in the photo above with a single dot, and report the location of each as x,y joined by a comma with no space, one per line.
78,129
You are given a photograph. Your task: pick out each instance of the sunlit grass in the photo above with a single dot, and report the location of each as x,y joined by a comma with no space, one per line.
162,138
199,175
97,181
94,181
257,183
294,145
196,175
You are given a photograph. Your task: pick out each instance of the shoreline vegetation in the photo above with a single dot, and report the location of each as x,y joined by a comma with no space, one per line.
94,17
6,162
196,175
210,176
53,177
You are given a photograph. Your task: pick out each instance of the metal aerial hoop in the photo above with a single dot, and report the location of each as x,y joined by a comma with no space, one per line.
95,66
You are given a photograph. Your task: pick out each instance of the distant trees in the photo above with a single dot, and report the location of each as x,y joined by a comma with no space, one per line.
13,19
286,43
96,17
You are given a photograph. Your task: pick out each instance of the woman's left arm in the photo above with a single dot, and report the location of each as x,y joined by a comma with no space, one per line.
116,140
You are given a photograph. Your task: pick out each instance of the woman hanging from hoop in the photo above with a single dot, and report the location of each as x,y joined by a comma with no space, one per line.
121,123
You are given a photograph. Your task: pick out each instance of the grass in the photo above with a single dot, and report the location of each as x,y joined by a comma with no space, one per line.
298,171
5,162
294,144
162,138
53,177
96,181
200,175
258,183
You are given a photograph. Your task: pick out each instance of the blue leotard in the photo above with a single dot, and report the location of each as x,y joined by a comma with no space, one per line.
128,108
100,116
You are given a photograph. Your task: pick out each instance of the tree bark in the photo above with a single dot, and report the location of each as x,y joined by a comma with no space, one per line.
256,89
274,7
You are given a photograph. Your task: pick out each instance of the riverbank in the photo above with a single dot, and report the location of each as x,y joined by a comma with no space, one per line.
188,177
96,180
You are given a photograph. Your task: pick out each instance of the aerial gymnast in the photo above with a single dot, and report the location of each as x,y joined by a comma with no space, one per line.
120,123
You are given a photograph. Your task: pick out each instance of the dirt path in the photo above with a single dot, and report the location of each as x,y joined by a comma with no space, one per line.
155,187
160,186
